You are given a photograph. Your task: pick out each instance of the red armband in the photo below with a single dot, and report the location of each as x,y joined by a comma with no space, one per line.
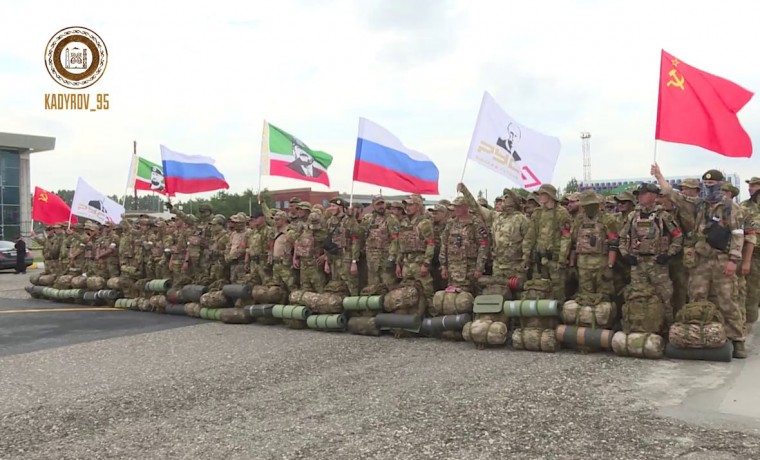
430,241
354,238
612,236
394,236
565,231
750,232
676,233
484,243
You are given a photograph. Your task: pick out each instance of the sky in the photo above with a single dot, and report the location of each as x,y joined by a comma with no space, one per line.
201,78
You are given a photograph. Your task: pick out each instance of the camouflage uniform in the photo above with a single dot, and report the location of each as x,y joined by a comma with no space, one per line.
343,232
77,246
622,271
707,280
416,247
509,229
90,246
178,249
464,249
281,253
107,253
234,254
256,254
218,273
595,241
547,244
381,232
648,239
752,280
307,248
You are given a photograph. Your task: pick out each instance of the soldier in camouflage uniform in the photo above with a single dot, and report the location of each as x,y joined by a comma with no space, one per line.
531,204
343,253
750,240
509,229
91,235
51,247
416,247
751,269
397,209
234,253
546,247
256,254
439,215
595,243
649,238
381,234
178,262
107,252
307,250
76,254
464,247
218,275
281,252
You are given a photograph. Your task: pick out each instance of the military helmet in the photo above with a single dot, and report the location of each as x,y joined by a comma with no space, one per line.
589,197
205,207
728,187
625,196
549,189
532,197
219,220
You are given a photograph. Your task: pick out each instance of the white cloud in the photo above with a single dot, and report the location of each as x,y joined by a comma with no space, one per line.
201,79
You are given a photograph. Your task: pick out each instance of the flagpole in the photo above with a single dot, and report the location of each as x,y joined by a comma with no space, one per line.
264,138
129,176
464,168
655,150
351,198
134,152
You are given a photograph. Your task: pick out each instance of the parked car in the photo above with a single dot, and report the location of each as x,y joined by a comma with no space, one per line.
8,255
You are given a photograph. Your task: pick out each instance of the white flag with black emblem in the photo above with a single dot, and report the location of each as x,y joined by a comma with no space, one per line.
92,204
525,156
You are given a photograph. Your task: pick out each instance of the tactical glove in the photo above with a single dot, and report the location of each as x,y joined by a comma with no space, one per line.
631,260
663,259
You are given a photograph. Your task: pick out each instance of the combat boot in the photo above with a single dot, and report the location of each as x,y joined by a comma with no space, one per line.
739,351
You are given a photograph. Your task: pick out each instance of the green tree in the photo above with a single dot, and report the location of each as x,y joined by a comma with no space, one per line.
572,186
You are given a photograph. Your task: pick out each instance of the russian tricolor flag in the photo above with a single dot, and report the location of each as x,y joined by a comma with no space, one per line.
382,159
190,173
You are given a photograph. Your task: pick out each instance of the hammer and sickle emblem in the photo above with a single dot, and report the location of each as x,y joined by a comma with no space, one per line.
43,197
675,80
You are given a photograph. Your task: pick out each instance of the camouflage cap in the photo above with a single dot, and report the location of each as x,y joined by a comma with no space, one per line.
294,200
78,226
413,199
238,218
532,197
280,214
575,196
754,181
625,196
445,202
304,205
377,199
713,174
498,198
57,226
459,201
728,187
396,204
438,208
688,183
205,207
315,218
548,189
589,197
511,195
610,199
483,202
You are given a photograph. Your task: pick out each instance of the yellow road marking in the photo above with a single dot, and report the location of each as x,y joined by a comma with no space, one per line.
43,310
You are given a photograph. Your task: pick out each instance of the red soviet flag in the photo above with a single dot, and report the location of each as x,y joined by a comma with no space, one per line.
50,209
698,108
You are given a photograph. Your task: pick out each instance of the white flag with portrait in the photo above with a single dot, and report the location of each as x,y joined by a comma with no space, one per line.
92,204
517,152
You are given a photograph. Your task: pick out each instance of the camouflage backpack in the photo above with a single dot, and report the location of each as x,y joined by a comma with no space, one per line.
537,289
699,313
643,310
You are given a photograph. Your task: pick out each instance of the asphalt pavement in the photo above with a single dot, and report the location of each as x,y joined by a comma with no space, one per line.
123,384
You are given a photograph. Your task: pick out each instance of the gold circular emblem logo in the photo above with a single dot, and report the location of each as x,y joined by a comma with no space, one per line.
76,57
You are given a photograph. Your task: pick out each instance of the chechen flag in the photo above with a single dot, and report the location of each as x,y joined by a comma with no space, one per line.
283,154
50,209
698,108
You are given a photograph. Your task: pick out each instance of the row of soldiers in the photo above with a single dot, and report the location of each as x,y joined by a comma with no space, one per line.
688,247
